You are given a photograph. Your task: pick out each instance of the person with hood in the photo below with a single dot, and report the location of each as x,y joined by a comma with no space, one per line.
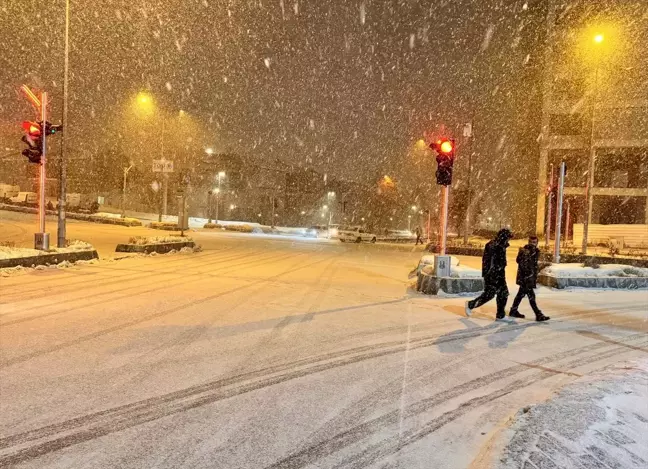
494,273
527,275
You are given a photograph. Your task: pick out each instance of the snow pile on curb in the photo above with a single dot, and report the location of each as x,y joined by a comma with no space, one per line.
10,252
461,271
143,240
605,270
13,253
600,421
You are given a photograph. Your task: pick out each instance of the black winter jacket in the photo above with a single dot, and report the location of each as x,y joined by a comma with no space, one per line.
527,260
494,261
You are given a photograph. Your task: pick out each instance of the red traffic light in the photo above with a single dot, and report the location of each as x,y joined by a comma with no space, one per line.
444,146
32,128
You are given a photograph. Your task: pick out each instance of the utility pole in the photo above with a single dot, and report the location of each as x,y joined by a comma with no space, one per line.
61,231
123,207
41,239
559,208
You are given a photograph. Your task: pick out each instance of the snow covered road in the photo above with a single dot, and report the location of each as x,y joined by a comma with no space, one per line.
279,354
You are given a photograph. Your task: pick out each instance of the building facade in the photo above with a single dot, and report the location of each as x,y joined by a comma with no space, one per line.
595,112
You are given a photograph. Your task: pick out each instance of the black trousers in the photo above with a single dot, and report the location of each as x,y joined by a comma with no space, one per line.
418,239
528,292
491,290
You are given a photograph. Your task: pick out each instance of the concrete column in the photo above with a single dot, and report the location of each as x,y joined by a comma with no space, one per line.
542,193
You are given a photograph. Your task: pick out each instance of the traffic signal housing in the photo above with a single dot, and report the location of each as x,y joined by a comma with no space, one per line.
445,149
34,139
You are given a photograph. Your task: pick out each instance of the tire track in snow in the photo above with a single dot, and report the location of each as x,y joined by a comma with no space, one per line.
390,446
134,274
137,287
54,282
91,426
96,334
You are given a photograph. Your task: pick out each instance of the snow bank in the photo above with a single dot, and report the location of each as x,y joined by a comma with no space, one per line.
605,270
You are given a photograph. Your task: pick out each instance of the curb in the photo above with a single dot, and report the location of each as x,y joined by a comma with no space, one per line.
47,259
431,285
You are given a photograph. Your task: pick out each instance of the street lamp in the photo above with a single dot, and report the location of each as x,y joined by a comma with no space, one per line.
209,151
598,39
413,208
409,223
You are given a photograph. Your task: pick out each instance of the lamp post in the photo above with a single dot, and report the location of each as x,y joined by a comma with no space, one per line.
598,39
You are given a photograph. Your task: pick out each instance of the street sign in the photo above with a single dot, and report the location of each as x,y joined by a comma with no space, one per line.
467,130
162,166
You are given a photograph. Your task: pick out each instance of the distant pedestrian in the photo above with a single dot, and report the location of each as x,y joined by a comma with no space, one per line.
494,273
527,276
418,232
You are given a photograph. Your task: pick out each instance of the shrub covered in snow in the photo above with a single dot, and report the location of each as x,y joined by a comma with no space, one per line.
164,225
142,240
212,226
604,270
77,245
239,228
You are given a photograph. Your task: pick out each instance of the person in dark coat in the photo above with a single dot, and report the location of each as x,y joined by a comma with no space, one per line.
418,232
527,275
494,273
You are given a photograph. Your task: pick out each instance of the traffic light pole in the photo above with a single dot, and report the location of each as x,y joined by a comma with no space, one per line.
443,226
41,239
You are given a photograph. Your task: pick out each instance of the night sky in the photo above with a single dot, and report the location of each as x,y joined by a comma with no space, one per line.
344,87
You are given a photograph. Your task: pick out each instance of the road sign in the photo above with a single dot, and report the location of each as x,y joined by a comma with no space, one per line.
162,166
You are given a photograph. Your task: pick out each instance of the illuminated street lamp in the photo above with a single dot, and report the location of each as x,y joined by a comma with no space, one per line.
598,39
209,151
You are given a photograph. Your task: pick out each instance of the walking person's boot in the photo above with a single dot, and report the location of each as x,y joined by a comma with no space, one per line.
514,313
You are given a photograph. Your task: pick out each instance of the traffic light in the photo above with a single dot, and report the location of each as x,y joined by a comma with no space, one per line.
445,149
34,139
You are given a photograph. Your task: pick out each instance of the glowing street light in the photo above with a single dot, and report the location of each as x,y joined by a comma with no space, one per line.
413,208
209,151
599,38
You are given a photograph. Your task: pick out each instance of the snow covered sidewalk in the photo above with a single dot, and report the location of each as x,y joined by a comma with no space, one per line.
598,422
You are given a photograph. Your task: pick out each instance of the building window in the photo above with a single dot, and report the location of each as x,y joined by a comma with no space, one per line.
566,124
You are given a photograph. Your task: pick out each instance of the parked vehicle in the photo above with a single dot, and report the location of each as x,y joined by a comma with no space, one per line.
28,198
8,191
355,234
317,231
